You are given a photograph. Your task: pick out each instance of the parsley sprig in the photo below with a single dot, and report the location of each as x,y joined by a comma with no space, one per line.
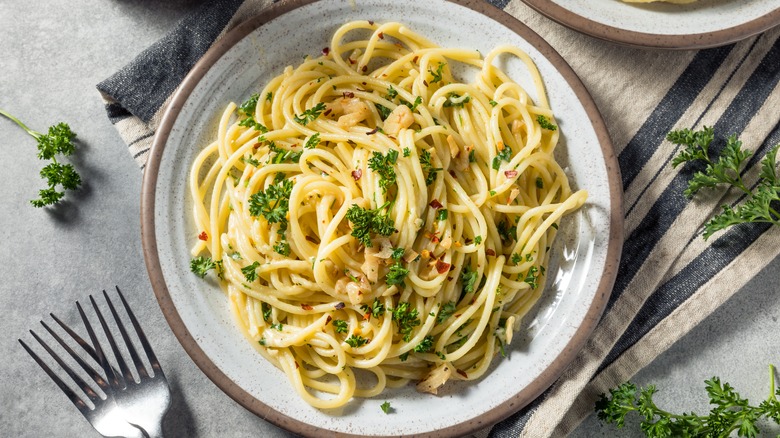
57,141
367,222
730,412
383,165
310,114
763,201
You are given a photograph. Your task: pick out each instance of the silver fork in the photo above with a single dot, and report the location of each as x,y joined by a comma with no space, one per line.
125,407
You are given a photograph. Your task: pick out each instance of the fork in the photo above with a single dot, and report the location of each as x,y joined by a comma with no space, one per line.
126,407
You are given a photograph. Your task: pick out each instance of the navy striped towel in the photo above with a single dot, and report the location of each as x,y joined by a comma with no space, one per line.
670,279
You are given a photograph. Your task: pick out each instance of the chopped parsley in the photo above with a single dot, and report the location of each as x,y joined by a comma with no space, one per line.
506,231
545,123
386,407
310,114
355,341
392,93
248,108
427,166
446,311
539,182
442,214
425,345
282,247
397,253
456,100
250,272
396,274
384,112
383,165
492,102
516,259
313,141
376,309
201,265
341,326
278,326
272,203
407,152
367,222
249,160
441,355
282,155
503,155
436,74
266,311
250,122
469,279
413,106
406,318
269,96
532,277
478,240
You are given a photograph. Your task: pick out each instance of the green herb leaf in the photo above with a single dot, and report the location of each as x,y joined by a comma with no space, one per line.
386,408
340,326
406,318
376,309
446,311
396,274
313,141
355,341
250,272
425,345
436,75
367,222
201,265
545,123
383,165
310,114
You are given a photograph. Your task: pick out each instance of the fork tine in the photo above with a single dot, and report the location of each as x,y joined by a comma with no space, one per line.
90,393
80,405
91,371
111,375
84,344
141,336
126,374
130,347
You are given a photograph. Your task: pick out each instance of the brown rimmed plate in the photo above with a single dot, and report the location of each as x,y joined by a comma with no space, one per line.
581,275
698,25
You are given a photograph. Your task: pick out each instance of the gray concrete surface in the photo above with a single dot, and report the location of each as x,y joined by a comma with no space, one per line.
53,53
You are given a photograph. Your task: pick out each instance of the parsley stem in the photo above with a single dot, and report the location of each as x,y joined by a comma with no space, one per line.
772,395
34,134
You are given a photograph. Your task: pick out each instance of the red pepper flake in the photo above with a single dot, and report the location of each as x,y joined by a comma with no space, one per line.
356,174
468,241
462,373
348,95
434,238
306,307
340,306
328,320
365,68
435,204
312,240
510,173
490,252
381,35
363,84
327,111
371,22
442,267
425,82
452,174
449,278
296,365
366,317
325,51
203,236
257,146
351,61
373,131
415,59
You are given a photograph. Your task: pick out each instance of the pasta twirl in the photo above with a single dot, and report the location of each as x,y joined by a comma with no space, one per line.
371,214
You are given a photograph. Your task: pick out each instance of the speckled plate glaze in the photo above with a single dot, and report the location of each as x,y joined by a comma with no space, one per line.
706,23
580,278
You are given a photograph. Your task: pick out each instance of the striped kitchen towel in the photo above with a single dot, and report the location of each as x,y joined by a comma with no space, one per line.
670,279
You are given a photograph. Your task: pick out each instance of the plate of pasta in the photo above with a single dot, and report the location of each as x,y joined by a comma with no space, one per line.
667,24
359,219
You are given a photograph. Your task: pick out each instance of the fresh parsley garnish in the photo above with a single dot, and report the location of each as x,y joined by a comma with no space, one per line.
272,203
468,279
532,277
367,222
492,102
201,265
406,318
248,108
57,141
396,274
442,214
502,155
427,166
310,114
407,152
282,247
250,271
376,309
545,123
397,253
386,408
340,326
762,202
313,141
456,100
425,345
266,311
355,341
446,311
383,165
436,75
281,155
249,160
730,412
384,112
392,93
413,106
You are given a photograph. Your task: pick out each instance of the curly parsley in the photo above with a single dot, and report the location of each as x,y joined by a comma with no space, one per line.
310,114
383,165
367,222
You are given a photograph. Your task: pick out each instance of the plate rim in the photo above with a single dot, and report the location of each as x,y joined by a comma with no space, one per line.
515,403
625,37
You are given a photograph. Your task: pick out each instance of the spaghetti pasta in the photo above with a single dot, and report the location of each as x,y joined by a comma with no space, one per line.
369,213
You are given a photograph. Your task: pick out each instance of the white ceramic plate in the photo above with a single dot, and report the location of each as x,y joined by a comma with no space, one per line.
586,255
705,23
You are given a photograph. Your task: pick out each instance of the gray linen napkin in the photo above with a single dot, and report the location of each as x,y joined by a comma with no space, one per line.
670,279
